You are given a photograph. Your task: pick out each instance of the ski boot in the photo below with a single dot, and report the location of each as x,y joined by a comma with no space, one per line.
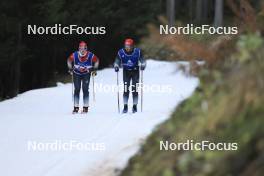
85,110
75,110
125,109
134,109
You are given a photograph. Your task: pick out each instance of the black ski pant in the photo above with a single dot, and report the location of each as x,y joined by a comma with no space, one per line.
128,76
81,81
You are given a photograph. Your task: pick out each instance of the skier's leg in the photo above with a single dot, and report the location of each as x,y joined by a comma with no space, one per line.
77,87
126,80
85,88
135,81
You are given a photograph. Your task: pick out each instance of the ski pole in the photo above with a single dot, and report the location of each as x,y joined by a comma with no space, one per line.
141,90
117,82
72,87
93,89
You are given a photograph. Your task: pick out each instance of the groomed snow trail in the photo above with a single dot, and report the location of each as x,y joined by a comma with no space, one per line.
44,116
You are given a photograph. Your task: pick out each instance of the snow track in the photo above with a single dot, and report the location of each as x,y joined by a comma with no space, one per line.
44,116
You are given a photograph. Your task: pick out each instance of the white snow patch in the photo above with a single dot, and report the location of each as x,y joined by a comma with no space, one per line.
44,115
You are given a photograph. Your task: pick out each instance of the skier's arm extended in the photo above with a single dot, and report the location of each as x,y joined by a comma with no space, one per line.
69,62
142,63
117,63
95,65
95,62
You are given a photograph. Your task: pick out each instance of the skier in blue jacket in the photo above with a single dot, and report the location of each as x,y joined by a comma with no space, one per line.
82,64
131,59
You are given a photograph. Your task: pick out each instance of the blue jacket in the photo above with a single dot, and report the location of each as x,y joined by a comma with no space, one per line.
78,65
129,61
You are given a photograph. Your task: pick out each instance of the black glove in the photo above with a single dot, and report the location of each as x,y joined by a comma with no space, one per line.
142,66
94,73
70,71
116,69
